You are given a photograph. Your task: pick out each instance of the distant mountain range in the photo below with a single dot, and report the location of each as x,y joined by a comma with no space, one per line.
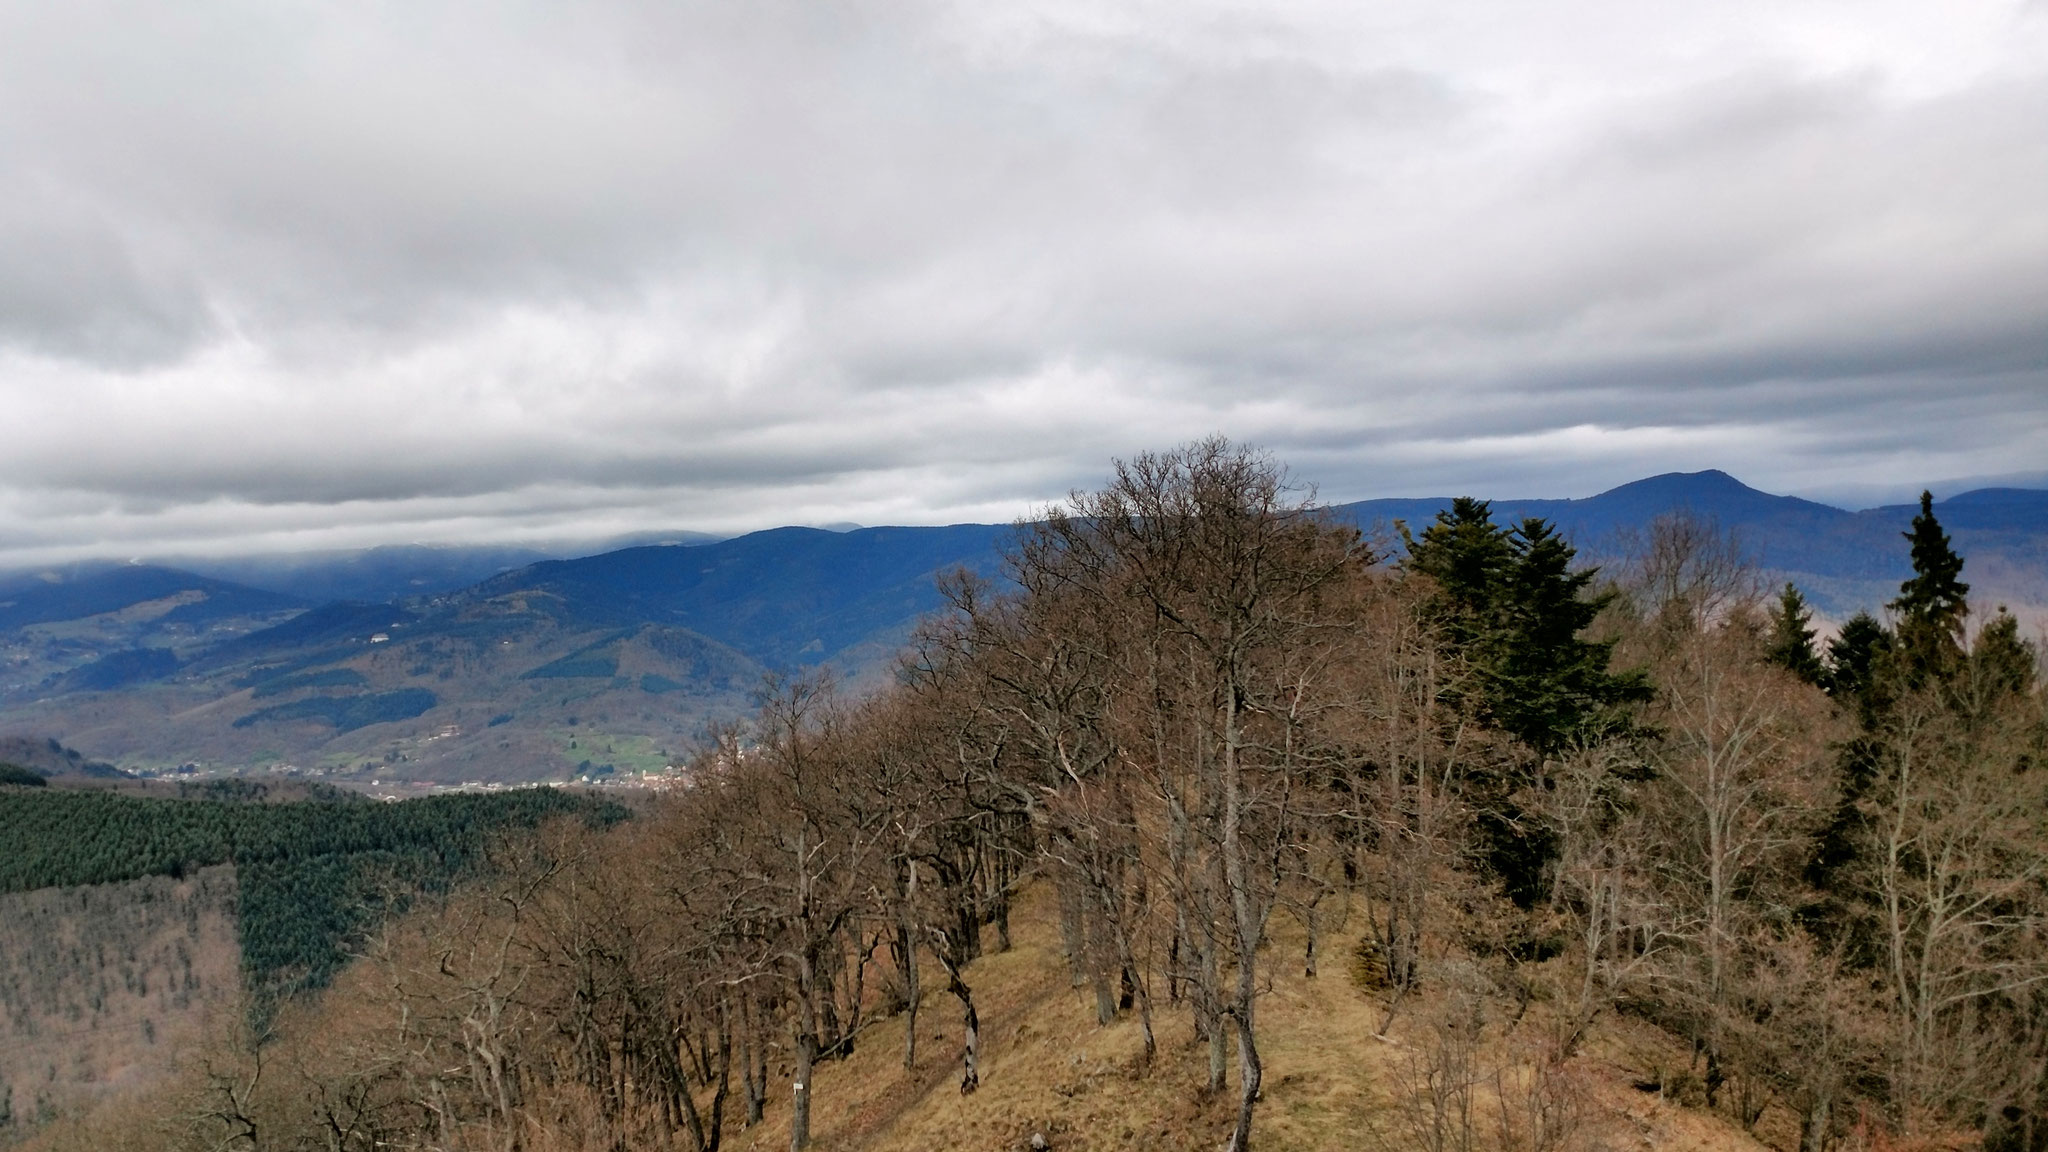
481,664
1843,561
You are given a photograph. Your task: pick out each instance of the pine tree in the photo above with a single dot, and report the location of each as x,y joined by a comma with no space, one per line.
1854,655
1792,637
1468,556
1933,603
1549,686
2002,661
1509,602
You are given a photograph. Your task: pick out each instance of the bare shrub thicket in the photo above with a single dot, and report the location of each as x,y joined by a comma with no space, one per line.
1470,1077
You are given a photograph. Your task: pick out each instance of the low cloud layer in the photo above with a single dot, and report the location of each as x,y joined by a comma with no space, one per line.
316,275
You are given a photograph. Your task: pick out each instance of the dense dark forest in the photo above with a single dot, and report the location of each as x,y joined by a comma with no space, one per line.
1200,711
311,876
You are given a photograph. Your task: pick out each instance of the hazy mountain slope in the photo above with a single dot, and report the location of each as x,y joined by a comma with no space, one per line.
185,597
497,689
784,596
399,571
101,627
373,575
602,665
1597,523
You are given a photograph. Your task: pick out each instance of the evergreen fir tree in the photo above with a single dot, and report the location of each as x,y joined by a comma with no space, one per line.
1854,655
1933,603
1468,556
1510,603
2001,661
1548,686
1792,637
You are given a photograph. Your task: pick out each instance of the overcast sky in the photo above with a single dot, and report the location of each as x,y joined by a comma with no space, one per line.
281,274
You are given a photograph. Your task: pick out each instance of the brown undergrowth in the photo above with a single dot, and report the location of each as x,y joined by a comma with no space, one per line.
1331,1082
1464,1067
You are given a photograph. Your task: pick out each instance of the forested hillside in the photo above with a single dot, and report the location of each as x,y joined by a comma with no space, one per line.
48,758
311,876
1554,858
102,988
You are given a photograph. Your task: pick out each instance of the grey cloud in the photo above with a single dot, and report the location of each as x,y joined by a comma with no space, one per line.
325,271
72,285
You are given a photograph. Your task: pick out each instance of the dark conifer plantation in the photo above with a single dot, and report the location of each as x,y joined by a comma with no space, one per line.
311,875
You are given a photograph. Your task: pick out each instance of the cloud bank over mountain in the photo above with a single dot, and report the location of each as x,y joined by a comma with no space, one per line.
317,274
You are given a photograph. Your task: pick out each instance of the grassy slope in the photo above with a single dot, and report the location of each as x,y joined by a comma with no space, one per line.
1048,1068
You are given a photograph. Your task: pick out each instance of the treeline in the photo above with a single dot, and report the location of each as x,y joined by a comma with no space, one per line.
311,876
1200,706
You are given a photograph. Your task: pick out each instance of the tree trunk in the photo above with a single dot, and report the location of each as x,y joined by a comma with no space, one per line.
1004,875
970,1051
1071,939
723,1085
906,963
806,1053
800,1089
754,1077
1105,997
1247,922
1250,1073
1813,1131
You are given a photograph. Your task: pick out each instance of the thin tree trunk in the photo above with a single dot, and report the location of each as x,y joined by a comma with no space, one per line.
1105,996
800,1112
1004,876
1813,1133
906,961
723,1087
970,1053
806,1057
754,1076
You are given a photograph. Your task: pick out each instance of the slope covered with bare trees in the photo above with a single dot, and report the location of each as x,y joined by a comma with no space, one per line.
1218,749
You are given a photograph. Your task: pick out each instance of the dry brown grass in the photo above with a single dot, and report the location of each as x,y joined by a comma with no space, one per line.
1330,1082
1049,1069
